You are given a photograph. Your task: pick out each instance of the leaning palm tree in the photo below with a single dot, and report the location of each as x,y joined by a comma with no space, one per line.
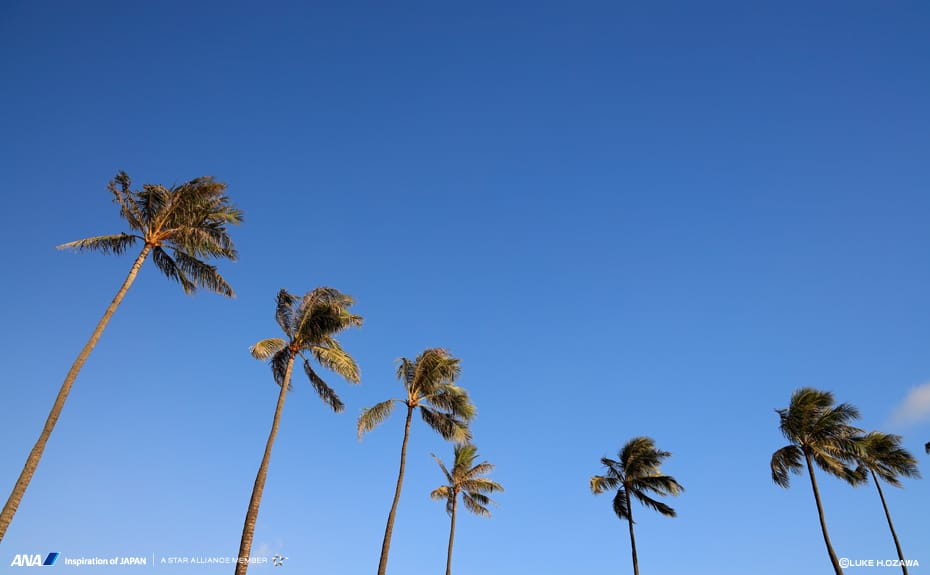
882,456
636,474
310,325
180,227
465,478
444,406
819,433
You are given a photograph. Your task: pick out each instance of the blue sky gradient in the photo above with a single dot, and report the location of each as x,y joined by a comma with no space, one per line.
626,219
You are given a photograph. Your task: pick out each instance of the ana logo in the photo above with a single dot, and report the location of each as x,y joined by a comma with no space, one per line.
34,560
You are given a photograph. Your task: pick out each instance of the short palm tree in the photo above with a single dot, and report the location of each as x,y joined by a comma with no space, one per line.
310,324
819,433
882,456
180,227
465,478
430,385
636,473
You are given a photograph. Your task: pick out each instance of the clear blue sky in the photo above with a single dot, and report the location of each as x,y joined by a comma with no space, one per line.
625,218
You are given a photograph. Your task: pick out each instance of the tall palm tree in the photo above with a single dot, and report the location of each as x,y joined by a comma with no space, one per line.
882,456
819,433
637,473
465,478
430,384
180,227
310,325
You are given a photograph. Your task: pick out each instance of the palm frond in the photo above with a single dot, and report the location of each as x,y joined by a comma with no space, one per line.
480,485
406,370
334,358
621,504
883,454
284,311
279,364
202,275
267,348
373,416
169,267
441,493
601,483
433,368
660,484
128,208
442,466
482,468
325,392
477,504
452,399
786,461
114,244
450,427
653,504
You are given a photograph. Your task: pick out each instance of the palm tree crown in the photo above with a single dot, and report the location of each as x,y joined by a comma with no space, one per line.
430,385
882,454
820,430
637,473
181,225
310,324
466,478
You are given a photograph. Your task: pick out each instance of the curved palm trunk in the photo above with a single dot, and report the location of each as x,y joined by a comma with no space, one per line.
823,521
32,462
451,537
894,535
248,529
386,545
629,513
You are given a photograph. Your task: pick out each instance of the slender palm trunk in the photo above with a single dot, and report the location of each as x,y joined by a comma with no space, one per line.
629,513
823,521
32,462
894,535
455,501
386,545
248,530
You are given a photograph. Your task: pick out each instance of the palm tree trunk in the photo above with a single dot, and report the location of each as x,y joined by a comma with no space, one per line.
894,535
386,545
248,529
823,521
32,462
451,536
629,514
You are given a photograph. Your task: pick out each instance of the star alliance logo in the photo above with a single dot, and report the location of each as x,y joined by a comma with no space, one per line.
278,560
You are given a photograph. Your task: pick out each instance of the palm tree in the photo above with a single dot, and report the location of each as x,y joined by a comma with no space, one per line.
637,473
881,455
465,478
819,433
444,406
180,227
310,324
